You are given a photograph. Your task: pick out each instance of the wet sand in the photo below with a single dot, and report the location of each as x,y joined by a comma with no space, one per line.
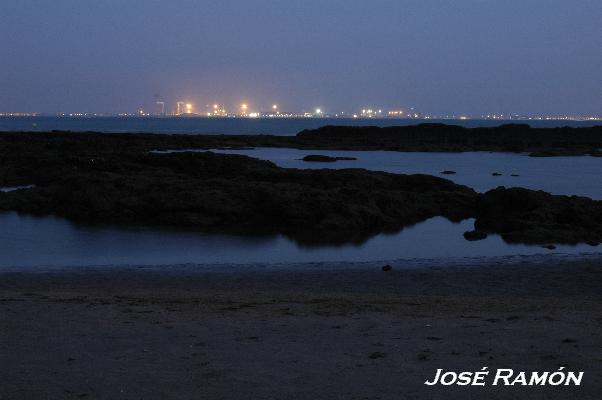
184,332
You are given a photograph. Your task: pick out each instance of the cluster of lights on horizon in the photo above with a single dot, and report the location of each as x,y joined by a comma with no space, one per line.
245,110
499,117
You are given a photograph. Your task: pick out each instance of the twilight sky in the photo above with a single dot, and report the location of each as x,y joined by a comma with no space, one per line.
440,56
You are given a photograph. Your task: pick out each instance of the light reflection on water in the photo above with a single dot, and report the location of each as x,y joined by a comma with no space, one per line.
49,241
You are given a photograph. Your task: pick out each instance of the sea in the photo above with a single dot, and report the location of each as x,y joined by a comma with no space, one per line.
38,242
244,126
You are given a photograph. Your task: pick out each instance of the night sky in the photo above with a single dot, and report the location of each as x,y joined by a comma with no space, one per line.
461,56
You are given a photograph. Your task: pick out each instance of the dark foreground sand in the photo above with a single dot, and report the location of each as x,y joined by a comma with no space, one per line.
173,333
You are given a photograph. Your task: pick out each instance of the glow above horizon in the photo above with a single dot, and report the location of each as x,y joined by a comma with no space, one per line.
468,57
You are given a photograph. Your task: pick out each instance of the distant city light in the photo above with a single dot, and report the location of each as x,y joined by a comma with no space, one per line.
217,109
180,108
161,107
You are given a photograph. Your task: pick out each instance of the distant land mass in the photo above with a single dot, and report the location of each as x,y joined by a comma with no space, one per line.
517,138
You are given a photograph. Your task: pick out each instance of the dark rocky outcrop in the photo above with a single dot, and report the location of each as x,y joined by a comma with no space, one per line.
473,236
542,142
322,158
93,181
98,178
448,172
439,137
528,216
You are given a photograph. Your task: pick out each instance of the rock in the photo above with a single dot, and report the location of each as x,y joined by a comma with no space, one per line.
321,158
535,217
473,236
496,174
387,268
549,247
442,137
377,354
318,158
448,172
593,243
422,137
128,185
515,175
545,153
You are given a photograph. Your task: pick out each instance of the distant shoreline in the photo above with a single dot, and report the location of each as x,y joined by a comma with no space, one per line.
246,126
428,137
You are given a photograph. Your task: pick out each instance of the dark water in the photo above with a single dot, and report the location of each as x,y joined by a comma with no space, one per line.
580,176
29,242
202,125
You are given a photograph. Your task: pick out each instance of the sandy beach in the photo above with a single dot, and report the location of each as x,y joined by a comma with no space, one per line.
297,331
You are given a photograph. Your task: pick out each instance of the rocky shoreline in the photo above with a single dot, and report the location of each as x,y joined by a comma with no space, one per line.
117,179
517,138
